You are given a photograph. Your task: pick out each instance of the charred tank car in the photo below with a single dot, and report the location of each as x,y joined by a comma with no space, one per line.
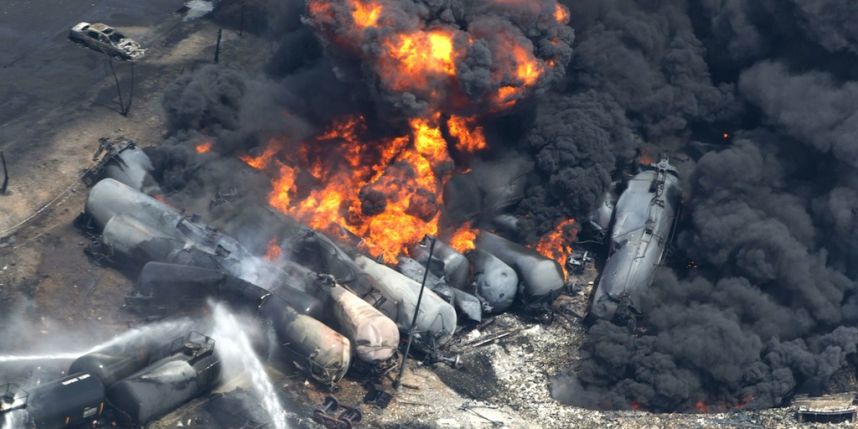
643,221
134,383
168,383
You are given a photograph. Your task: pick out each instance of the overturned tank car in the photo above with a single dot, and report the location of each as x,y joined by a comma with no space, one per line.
643,222
540,279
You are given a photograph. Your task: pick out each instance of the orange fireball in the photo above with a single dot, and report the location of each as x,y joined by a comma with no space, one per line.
365,14
204,147
561,14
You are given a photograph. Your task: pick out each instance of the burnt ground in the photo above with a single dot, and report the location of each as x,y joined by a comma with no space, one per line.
55,298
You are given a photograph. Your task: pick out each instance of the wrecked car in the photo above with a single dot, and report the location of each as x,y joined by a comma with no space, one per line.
106,39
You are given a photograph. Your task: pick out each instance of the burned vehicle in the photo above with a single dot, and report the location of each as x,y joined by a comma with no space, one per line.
643,222
106,39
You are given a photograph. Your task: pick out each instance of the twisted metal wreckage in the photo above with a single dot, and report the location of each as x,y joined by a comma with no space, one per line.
325,304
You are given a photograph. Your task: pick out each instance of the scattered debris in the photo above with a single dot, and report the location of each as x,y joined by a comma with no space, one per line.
326,415
377,396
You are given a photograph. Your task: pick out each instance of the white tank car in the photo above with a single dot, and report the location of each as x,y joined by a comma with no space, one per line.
436,319
643,222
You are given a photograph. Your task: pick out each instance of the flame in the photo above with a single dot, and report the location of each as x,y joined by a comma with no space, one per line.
645,157
320,9
561,14
386,192
528,69
261,161
524,72
282,186
463,239
701,407
469,135
505,97
273,252
365,14
414,60
204,147
556,244
428,140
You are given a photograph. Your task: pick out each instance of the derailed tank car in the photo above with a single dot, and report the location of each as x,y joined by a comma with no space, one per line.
644,219
540,278
132,382
66,402
168,383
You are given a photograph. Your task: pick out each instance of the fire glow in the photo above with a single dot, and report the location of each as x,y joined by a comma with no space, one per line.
204,147
387,191
424,58
556,244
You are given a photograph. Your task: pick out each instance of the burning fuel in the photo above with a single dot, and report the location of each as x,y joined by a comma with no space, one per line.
387,191
556,244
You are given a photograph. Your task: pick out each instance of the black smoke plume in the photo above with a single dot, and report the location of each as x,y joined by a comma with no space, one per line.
770,214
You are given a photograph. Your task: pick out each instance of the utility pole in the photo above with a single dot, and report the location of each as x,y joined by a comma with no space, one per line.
123,108
241,25
5,175
398,381
217,47
131,94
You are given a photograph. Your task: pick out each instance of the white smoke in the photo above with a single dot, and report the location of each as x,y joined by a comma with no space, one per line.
14,420
165,329
233,345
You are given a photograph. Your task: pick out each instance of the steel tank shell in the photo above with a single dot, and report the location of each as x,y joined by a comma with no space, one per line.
643,222
373,335
66,402
109,198
175,282
134,168
163,387
319,253
310,344
137,244
119,361
540,277
436,319
446,262
467,306
496,282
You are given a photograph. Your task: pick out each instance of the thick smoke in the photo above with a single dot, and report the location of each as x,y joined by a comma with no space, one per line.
481,45
332,64
770,214
770,217
638,74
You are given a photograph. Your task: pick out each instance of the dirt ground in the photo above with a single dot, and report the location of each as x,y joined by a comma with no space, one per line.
49,136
